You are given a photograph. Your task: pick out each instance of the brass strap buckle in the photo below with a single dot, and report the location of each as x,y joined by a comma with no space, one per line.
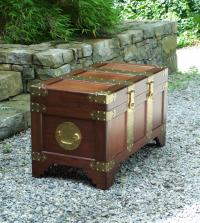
131,99
150,88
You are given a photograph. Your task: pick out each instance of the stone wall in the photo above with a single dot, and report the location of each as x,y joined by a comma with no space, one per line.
138,42
21,66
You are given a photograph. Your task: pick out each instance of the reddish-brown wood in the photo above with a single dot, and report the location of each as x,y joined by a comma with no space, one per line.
103,142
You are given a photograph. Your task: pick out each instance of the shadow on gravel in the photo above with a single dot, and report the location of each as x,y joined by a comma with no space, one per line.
78,175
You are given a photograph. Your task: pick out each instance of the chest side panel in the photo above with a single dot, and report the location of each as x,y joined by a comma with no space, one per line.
87,130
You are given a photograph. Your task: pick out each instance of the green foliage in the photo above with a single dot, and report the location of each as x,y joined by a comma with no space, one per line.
29,21
186,12
7,148
92,16
33,21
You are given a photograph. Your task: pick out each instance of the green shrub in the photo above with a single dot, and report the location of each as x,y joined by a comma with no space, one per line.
92,16
33,21
186,12
30,21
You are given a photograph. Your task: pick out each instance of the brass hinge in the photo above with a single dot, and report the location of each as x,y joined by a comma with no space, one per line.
40,157
102,167
38,90
103,98
36,107
103,115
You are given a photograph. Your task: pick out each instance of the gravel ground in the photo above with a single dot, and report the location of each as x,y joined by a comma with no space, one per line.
159,185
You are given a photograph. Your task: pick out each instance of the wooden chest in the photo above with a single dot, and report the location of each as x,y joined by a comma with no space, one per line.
96,118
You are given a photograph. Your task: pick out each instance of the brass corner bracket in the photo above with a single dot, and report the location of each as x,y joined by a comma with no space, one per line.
102,167
38,90
129,146
103,115
36,107
40,157
103,98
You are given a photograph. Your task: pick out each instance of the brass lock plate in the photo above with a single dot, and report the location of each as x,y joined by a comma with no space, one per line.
68,136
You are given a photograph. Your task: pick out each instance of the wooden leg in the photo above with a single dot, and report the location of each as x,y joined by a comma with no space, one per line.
102,180
161,139
38,168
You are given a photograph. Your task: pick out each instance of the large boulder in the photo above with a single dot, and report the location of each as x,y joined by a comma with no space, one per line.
14,115
10,84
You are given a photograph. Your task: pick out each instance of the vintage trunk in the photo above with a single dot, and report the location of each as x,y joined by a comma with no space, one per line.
96,118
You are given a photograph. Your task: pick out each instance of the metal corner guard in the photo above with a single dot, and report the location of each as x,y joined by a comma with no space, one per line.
36,107
40,157
103,115
103,98
102,167
38,90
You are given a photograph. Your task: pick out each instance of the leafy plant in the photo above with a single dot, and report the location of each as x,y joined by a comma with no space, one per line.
92,16
186,12
30,21
7,148
33,21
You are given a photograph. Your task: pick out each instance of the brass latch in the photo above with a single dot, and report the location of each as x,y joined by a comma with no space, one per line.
36,107
150,89
131,99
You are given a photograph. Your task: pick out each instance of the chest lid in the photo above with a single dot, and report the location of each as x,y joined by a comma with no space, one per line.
96,86
126,68
160,74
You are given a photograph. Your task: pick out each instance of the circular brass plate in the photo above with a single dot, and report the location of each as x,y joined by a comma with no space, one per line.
68,136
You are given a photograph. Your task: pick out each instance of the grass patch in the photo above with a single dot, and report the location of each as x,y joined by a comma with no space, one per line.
7,148
24,163
179,80
187,38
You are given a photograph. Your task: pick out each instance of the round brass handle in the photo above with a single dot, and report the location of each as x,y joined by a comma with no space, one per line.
76,137
68,136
